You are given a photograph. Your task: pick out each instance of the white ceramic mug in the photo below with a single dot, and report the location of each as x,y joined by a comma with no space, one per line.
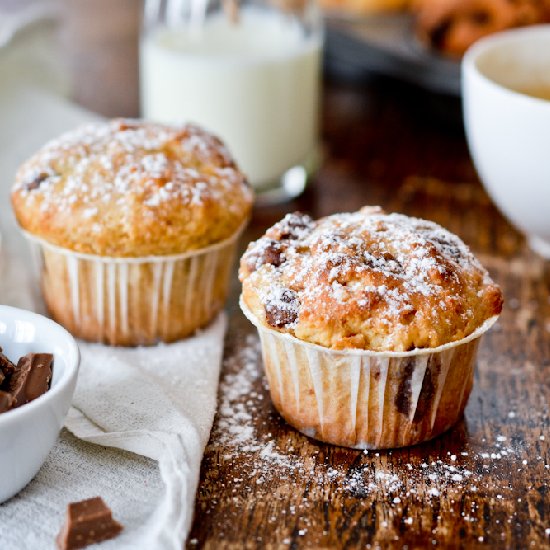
508,130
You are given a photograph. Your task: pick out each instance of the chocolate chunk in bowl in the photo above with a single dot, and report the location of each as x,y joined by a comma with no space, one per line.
25,382
6,367
31,378
7,401
35,395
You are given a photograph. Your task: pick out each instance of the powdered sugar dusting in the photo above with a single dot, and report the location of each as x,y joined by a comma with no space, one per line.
369,264
115,161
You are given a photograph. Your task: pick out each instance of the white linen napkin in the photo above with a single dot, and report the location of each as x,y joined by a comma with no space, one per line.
157,402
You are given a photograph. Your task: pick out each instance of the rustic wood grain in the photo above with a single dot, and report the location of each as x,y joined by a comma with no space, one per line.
263,485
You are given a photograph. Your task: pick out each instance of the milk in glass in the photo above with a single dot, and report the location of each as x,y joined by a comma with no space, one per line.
255,83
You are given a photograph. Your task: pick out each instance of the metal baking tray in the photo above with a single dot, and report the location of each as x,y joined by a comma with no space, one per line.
386,44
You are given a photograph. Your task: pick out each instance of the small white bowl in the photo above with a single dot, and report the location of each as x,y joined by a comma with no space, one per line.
509,131
28,433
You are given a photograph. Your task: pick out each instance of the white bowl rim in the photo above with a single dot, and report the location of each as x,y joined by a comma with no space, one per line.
68,374
473,53
482,329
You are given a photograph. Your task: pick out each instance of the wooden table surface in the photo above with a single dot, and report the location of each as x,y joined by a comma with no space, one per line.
263,485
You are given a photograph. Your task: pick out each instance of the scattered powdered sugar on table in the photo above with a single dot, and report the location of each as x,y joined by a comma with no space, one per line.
235,424
259,457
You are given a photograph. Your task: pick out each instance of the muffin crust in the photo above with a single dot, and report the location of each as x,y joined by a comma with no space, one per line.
128,188
367,280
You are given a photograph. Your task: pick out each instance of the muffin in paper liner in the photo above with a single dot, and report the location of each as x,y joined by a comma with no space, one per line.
364,399
134,301
134,226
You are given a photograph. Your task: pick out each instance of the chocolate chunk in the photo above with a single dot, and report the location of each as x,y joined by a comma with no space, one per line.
273,254
36,182
268,251
404,393
7,401
388,257
31,378
282,308
382,261
427,392
448,247
293,225
7,368
88,522
404,390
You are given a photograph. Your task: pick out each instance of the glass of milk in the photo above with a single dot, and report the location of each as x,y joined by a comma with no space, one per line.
249,72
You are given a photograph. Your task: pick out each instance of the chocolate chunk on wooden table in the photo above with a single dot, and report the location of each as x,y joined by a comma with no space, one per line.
88,522
31,378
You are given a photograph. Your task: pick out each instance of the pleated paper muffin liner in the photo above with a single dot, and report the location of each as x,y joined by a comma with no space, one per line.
134,301
364,399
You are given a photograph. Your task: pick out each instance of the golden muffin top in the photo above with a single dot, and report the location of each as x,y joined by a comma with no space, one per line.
128,188
367,280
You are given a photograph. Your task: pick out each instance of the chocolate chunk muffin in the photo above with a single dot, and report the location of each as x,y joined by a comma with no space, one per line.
371,311
135,225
